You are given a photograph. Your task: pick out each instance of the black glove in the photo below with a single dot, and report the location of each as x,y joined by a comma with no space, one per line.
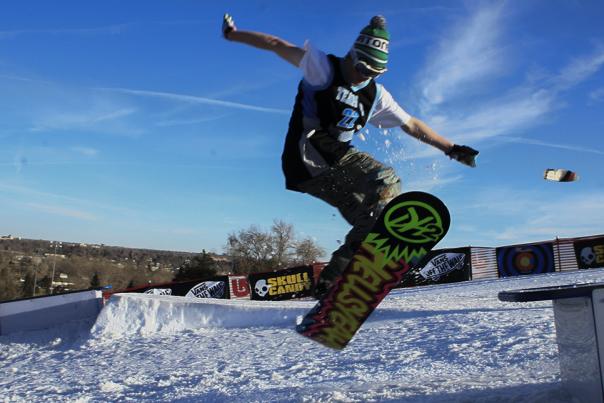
464,154
228,25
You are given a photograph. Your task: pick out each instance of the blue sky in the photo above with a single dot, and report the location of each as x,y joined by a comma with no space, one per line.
136,124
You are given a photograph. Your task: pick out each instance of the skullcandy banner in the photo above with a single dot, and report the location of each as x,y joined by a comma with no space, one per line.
295,282
440,267
525,259
215,287
590,253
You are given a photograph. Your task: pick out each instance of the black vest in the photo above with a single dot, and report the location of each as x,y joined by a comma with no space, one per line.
322,125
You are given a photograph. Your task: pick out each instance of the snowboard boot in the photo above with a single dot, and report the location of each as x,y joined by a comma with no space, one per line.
339,260
322,287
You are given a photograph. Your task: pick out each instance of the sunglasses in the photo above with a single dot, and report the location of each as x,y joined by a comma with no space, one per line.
363,68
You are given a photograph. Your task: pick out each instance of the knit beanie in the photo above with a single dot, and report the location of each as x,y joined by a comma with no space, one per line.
371,46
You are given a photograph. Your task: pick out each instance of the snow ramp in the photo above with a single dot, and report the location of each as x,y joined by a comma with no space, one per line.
146,314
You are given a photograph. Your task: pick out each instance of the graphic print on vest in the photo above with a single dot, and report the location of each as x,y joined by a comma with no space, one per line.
352,112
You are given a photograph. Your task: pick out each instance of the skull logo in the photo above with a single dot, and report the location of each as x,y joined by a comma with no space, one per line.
262,288
587,255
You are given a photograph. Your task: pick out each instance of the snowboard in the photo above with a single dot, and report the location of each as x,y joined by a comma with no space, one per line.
406,230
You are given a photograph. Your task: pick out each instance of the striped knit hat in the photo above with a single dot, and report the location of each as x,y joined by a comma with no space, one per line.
371,47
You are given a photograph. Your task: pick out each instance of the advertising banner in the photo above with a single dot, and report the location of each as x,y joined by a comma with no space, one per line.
240,287
590,253
214,287
295,282
441,266
210,289
524,260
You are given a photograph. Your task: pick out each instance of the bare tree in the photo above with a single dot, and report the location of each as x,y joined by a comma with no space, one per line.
251,250
254,250
283,240
308,252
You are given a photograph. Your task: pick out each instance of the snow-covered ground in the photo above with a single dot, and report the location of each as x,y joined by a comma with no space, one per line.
433,344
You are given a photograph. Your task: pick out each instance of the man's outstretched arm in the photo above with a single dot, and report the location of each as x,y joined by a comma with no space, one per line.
421,131
291,53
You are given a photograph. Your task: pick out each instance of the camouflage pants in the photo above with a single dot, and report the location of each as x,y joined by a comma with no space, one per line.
359,187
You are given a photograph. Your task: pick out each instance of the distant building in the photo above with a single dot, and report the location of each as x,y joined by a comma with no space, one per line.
55,255
64,283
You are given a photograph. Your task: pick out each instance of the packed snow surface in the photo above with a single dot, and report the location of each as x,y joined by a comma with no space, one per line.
448,343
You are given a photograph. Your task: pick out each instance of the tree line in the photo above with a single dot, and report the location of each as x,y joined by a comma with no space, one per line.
27,266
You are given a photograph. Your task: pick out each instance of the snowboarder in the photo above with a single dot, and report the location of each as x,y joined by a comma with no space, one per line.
336,98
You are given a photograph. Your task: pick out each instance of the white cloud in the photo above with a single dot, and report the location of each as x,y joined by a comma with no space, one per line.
195,100
553,145
579,69
597,94
524,106
110,29
38,106
191,121
468,54
19,192
62,211
473,54
82,119
86,151
519,109
21,78
429,184
539,216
